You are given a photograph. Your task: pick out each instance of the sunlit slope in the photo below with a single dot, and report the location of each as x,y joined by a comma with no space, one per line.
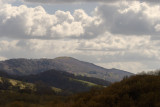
71,65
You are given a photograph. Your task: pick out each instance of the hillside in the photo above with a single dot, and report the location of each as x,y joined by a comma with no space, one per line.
65,81
60,80
11,84
71,65
136,91
21,86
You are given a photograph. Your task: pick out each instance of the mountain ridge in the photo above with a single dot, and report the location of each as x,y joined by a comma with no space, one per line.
24,66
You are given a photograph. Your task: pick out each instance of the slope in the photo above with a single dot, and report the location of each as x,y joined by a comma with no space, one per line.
65,81
71,65
136,91
15,85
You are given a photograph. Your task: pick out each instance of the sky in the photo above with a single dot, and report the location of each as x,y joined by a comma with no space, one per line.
122,34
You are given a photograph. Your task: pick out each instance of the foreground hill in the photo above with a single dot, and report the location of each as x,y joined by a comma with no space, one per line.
71,65
11,84
7,84
136,91
67,82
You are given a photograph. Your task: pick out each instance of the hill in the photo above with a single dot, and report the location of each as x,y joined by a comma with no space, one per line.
60,80
65,81
11,84
136,91
71,65
21,86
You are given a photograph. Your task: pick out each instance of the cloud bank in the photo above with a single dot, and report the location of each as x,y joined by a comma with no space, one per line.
79,1
68,1
37,23
121,35
125,18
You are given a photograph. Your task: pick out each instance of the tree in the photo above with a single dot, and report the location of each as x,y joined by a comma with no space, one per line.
42,88
5,84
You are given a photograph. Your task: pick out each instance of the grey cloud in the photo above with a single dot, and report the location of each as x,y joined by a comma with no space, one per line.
129,23
13,27
77,1
69,1
100,50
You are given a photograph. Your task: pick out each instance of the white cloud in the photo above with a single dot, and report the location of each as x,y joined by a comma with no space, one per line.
7,45
34,48
50,47
121,48
64,17
2,58
68,1
36,23
65,29
157,27
134,67
81,16
79,1
126,18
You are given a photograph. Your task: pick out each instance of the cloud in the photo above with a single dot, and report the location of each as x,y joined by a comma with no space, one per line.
68,1
130,18
121,48
2,58
79,1
157,27
124,18
35,48
108,49
36,23
134,67
116,34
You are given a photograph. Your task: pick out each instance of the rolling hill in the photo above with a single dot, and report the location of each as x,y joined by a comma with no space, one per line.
65,81
71,65
8,83
136,91
60,80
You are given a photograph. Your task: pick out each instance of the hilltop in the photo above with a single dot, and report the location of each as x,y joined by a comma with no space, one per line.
68,64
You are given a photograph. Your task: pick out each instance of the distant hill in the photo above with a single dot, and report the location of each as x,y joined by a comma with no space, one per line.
71,65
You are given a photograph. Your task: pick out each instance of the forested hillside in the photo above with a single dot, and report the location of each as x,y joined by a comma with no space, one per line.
67,82
68,64
137,91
